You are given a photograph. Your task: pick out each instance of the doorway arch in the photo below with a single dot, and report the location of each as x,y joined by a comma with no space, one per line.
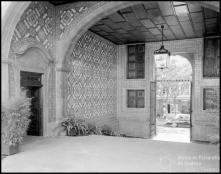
173,100
193,51
192,46
85,20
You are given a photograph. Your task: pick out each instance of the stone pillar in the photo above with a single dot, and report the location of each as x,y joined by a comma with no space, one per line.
59,83
59,96
5,80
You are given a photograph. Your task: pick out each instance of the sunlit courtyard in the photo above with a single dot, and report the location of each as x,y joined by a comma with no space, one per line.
111,154
110,86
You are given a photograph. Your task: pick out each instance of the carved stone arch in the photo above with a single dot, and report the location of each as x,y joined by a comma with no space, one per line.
10,19
30,55
189,57
86,20
97,12
83,22
77,28
15,10
22,46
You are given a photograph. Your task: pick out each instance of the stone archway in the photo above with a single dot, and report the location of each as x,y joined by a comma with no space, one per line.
11,16
76,30
79,25
10,19
181,104
101,10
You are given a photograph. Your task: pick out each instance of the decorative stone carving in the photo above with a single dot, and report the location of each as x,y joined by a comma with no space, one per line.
20,46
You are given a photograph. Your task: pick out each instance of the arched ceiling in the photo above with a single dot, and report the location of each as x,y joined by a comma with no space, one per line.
142,23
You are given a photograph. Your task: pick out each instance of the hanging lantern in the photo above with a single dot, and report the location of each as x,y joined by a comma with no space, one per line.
162,55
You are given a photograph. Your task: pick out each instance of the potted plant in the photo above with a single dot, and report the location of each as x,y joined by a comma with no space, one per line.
109,131
15,120
75,126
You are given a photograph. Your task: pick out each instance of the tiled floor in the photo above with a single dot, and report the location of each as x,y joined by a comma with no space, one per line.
111,154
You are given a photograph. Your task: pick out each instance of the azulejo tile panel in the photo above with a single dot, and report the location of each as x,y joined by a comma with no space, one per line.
92,82
52,96
38,22
67,14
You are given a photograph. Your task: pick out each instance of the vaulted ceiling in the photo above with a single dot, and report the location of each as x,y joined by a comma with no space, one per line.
142,23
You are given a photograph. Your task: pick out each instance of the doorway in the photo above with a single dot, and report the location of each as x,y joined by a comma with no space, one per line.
32,83
173,101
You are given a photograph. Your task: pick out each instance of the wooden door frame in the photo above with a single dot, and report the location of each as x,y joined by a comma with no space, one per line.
191,109
17,66
43,94
151,108
192,84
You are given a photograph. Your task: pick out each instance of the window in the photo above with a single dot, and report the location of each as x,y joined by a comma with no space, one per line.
210,99
135,65
135,98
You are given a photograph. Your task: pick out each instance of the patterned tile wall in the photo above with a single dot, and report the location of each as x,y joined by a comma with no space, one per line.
92,82
44,23
38,22
52,95
68,14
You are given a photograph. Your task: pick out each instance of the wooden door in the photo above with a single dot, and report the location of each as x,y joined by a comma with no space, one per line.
32,83
152,108
191,109
35,124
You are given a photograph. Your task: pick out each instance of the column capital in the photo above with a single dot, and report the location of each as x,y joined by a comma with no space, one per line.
62,69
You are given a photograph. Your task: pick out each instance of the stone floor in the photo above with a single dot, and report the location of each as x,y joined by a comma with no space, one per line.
3,156
172,134
111,154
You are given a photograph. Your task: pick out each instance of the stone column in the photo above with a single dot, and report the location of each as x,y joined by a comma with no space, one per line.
5,79
59,97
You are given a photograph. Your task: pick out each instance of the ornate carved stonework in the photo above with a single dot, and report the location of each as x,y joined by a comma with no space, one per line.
20,46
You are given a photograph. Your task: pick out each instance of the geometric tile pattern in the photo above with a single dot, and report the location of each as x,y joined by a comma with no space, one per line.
141,23
92,82
38,22
66,14
51,95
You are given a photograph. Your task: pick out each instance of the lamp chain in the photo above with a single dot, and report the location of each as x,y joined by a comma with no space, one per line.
162,33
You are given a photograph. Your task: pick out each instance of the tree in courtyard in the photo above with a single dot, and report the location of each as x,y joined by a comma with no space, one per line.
167,87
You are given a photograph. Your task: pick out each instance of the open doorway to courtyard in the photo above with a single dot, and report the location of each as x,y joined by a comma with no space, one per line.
173,100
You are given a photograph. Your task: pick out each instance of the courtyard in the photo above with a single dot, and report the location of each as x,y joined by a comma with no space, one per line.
110,154
172,134
90,69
